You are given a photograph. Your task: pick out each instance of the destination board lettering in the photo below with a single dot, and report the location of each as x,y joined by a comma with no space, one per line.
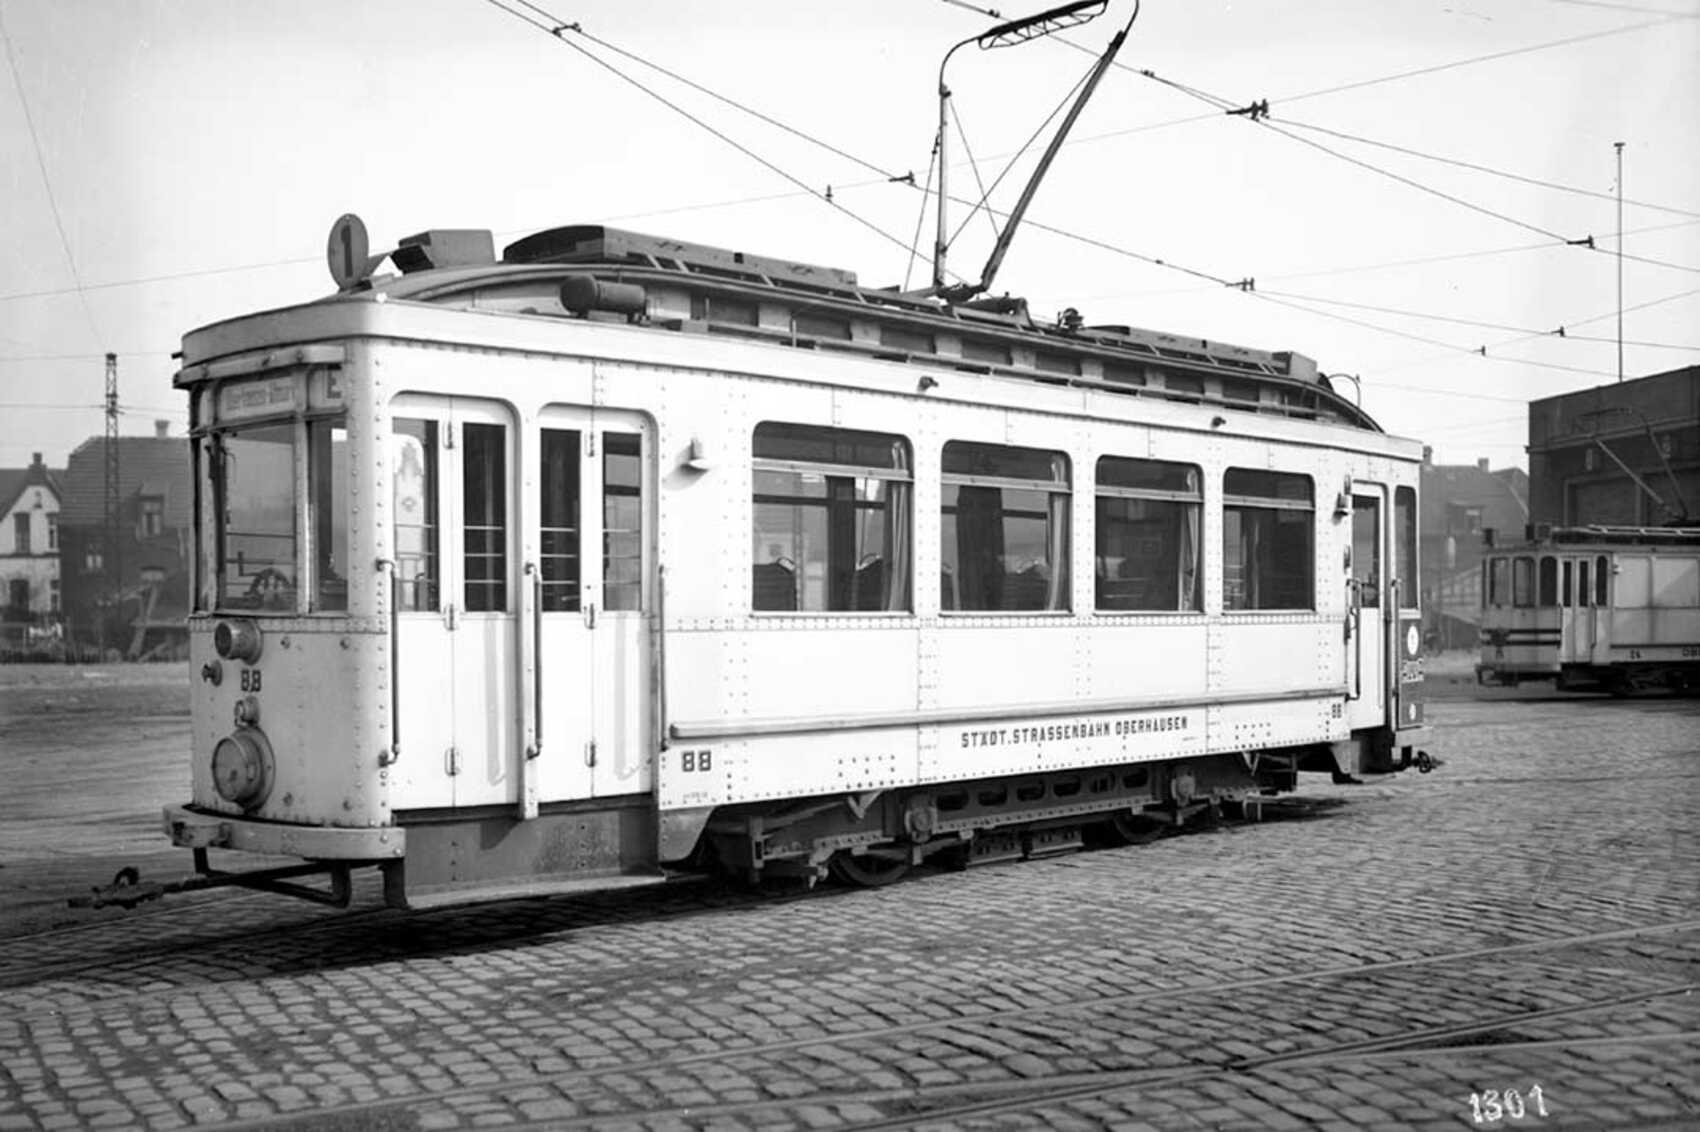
256,398
1058,732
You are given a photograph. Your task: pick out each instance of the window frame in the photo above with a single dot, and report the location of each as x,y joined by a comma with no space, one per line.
841,505
218,467
1523,581
1181,499
1237,501
1407,548
1546,582
1059,585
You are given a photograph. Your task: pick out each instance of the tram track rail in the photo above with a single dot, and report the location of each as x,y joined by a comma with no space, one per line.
908,1106
937,1103
348,940
301,921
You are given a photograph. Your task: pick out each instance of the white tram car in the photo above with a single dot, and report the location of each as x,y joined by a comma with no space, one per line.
621,552
1596,608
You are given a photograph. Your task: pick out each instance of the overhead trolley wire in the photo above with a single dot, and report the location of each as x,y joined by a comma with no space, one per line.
1483,350
556,31
1559,332
1487,169
1216,280
1450,256
1258,113
1491,57
46,180
985,193
577,29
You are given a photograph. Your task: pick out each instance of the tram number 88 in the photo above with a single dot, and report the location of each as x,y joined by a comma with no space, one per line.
693,761
250,679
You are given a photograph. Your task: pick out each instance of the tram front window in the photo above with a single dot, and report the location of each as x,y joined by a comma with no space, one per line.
254,472
261,562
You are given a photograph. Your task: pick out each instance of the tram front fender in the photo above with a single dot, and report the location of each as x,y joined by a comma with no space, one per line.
200,829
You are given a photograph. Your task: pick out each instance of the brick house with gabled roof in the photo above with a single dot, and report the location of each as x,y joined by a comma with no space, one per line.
29,552
145,607
1460,503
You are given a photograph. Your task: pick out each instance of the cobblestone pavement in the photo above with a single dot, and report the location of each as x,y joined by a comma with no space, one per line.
1515,934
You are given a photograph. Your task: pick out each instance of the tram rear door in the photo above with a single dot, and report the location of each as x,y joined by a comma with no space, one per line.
593,683
455,588
1367,657
1578,609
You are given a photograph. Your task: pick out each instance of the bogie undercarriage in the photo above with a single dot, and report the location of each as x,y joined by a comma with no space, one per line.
877,837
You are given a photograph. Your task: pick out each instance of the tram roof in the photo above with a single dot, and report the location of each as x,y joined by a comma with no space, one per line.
800,304
1541,536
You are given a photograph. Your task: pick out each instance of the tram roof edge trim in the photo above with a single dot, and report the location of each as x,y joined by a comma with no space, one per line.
596,243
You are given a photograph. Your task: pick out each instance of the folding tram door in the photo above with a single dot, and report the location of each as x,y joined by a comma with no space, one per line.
1370,609
454,585
594,675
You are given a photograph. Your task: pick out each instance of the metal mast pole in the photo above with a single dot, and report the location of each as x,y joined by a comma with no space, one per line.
112,561
1619,147
940,242
1008,34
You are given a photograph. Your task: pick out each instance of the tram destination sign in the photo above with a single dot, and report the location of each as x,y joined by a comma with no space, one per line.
1146,732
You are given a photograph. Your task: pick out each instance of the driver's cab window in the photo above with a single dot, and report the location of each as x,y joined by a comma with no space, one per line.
255,478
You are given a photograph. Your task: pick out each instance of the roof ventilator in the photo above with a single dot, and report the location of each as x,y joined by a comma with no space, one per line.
445,247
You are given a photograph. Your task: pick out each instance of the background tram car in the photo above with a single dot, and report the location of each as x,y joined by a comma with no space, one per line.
1613,609
620,552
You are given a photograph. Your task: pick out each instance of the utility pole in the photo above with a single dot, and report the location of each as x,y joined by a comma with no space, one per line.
1619,147
112,558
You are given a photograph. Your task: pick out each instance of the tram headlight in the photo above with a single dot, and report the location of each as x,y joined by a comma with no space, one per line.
238,640
243,768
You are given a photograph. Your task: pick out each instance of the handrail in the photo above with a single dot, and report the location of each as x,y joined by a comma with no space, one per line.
536,747
661,657
1354,630
393,755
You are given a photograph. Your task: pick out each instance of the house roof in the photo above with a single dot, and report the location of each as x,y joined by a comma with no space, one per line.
13,481
1502,495
160,465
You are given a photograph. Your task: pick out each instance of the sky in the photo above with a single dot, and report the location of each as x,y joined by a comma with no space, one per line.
1402,214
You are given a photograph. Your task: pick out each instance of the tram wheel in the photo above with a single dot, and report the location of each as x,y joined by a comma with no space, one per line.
868,870
1129,828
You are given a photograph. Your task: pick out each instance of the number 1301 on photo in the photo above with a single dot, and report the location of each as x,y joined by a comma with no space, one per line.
1491,1107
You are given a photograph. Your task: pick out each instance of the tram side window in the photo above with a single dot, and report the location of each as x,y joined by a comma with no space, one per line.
1523,581
254,473
413,459
1498,580
1004,528
1268,540
327,497
622,520
484,527
1366,550
1405,546
1601,574
1149,514
831,530
1548,582
1582,591
1564,585
559,528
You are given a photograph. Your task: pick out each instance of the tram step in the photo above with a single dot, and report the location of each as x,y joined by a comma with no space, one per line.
1045,842
990,848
